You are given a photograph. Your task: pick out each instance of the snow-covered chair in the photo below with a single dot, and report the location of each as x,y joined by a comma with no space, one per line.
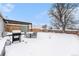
28,34
31,34
34,35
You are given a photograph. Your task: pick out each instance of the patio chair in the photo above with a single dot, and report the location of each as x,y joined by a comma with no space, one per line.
34,35
31,35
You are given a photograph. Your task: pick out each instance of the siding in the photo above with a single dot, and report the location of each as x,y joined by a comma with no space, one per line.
10,27
1,26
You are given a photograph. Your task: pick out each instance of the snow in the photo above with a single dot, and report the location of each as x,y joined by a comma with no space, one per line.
2,44
46,44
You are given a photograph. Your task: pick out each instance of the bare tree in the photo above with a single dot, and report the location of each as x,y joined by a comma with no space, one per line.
62,14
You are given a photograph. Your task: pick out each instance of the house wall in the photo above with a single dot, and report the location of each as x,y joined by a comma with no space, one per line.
1,26
10,27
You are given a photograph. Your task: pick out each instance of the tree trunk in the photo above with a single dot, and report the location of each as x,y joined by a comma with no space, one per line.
63,28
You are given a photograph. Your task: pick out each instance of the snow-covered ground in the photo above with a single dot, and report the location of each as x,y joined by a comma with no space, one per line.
46,44
2,44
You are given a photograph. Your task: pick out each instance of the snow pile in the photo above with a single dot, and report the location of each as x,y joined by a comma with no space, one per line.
46,44
2,44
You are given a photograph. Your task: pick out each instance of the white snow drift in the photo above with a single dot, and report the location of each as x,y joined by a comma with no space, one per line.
46,44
